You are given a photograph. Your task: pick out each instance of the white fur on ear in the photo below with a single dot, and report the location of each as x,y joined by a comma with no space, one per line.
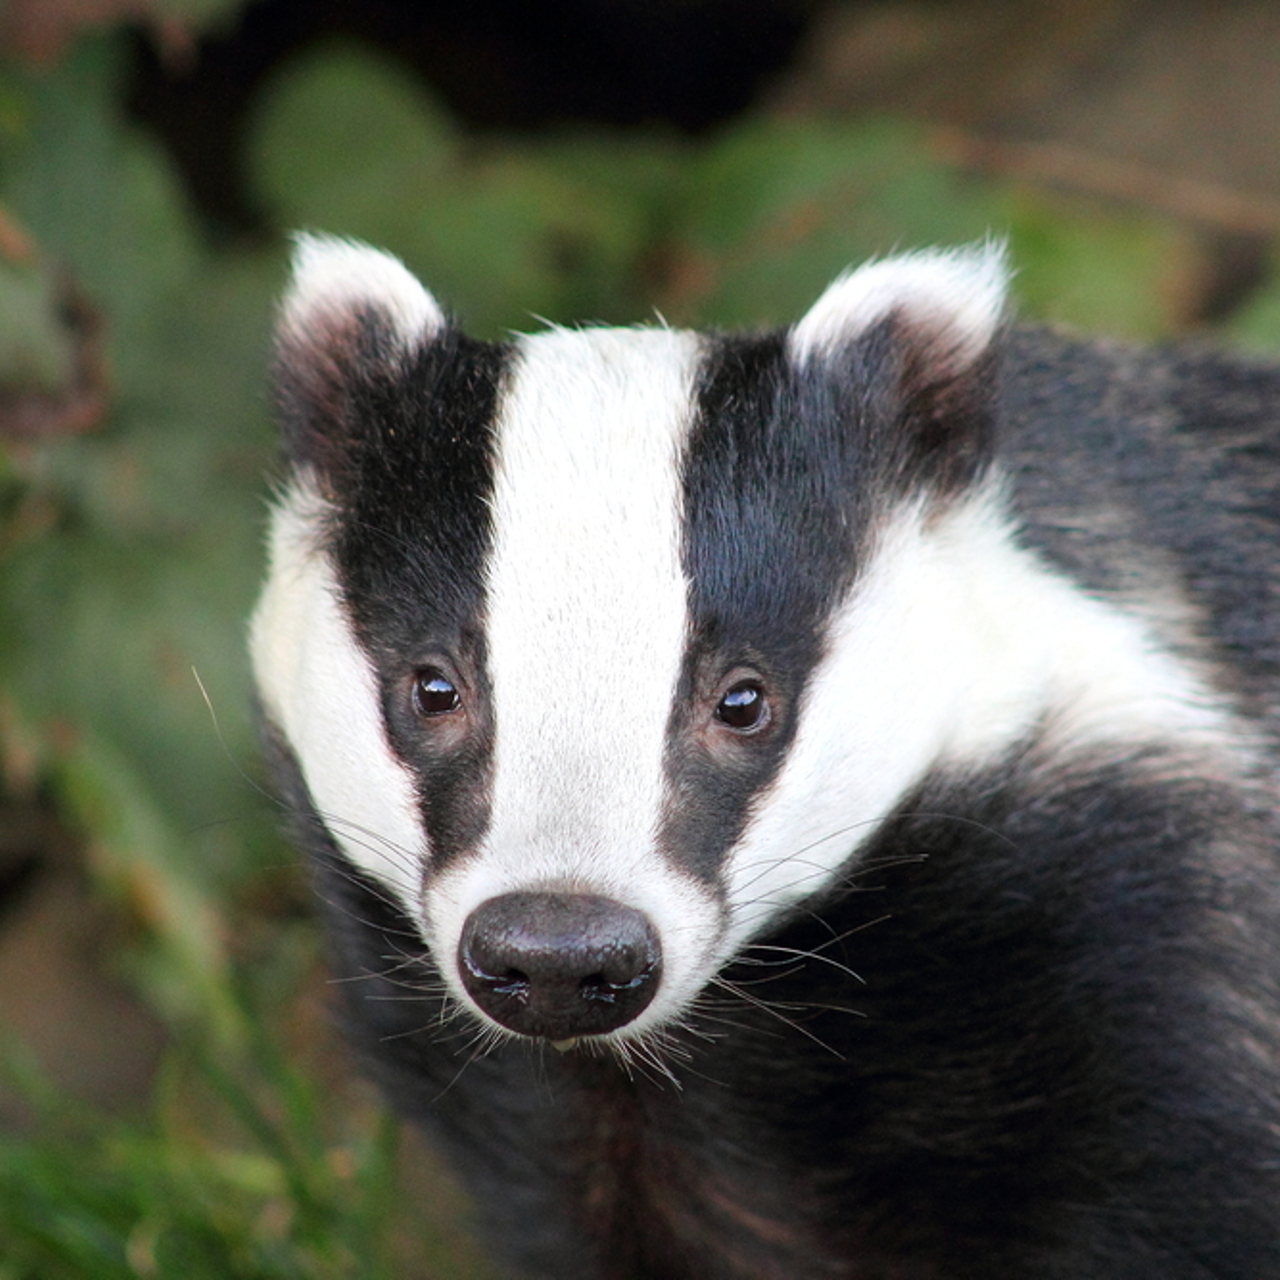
957,293
332,275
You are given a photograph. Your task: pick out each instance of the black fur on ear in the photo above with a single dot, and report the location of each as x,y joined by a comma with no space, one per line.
942,407
913,344
352,320
319,378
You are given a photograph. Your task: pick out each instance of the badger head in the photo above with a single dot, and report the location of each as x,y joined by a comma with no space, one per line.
595,648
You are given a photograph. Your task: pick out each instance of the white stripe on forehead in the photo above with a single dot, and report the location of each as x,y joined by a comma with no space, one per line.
586,604
586,596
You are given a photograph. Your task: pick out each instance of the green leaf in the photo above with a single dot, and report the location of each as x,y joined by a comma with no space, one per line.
777,208
346,144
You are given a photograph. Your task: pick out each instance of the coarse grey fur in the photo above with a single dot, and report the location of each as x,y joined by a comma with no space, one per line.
1152,476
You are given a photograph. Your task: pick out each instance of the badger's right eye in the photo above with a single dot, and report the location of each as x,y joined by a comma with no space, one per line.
744,707
434,694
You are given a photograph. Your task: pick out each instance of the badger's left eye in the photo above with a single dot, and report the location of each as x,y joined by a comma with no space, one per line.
434,694
744,707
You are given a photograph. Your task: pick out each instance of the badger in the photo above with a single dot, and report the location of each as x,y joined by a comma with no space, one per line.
794,805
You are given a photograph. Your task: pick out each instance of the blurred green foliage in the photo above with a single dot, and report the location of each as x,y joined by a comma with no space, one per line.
743,229
129,553
236,1174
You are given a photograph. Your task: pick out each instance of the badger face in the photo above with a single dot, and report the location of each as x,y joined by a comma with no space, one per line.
600,650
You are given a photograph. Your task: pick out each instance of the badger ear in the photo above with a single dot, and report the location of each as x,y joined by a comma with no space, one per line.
333,276
955,299
350,316
914,338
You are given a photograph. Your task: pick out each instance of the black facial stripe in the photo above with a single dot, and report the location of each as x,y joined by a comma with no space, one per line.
788,470
773,521
411,543
773,471
416,480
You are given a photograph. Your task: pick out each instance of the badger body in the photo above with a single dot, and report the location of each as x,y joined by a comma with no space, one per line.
798,804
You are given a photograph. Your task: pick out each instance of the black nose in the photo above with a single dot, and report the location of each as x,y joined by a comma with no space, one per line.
559,965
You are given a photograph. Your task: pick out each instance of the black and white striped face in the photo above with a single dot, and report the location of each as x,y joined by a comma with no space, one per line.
602,649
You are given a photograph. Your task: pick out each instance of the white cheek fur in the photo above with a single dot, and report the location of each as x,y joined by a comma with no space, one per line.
954,645
320,690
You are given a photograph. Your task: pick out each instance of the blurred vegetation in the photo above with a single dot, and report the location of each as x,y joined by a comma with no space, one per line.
134,457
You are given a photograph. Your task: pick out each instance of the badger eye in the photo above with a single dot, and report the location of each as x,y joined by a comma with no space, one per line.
743,707
434,694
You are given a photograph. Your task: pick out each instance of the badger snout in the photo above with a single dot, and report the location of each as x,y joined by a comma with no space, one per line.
559,965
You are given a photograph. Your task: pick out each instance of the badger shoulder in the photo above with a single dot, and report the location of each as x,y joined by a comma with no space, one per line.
1150,477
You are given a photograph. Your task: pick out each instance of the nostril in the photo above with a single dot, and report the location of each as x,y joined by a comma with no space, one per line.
511,981
559,965
596,986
